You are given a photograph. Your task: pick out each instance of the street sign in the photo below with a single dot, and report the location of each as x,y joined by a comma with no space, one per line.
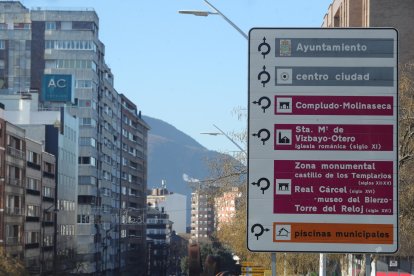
323,140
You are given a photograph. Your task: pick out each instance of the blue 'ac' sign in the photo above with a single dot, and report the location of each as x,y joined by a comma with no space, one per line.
56,88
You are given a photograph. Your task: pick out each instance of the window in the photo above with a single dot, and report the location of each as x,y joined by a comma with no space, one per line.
49,167
85,103
83,219
132,151
14,142
48,216
21,26
12,234
87,122
48,240
33,157
66,205
50,25
48,192
133,165
75,64
83,25
86,180
83,84
125,133
66,25
32,184
13,205
87,141
32,237
86,45
2,44
32,211
106,192
87,161
106,175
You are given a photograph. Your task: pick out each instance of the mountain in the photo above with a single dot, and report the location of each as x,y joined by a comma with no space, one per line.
173,156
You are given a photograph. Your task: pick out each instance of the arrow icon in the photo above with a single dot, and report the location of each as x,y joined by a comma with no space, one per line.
262,137
265,105
259,182
264,45
264,76
260,229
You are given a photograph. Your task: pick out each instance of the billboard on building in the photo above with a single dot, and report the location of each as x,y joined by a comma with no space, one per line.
57,88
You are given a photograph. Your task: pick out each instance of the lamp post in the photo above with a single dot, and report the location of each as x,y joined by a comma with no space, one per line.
47,211
107,239
216,12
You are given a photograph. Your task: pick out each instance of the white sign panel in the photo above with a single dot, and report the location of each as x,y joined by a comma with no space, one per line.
323,140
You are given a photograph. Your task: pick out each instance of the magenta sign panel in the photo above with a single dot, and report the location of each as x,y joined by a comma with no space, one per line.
333,137
334,105
333,187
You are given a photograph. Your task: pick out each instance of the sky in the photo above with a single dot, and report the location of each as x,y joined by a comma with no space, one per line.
188,71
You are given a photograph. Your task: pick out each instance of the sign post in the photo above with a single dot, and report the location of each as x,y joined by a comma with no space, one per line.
323,140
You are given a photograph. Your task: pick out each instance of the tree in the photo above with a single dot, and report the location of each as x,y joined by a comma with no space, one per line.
220,251
11,266
184,264
234,234
227,172
406,160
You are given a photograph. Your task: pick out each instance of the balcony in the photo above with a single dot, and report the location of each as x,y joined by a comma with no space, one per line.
31,245
14,211
33,165
48,199
47,247
15,152
49,175
32,192
32,219
15,182
47,223
12,241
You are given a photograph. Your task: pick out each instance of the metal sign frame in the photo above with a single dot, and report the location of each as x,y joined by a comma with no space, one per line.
323,140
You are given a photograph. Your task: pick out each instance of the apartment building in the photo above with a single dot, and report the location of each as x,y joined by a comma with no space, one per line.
202,215
158,241
27,220
376,13
13,191
174,204
134,152
58,132
39,207
225,206
33,201
58,54
379,13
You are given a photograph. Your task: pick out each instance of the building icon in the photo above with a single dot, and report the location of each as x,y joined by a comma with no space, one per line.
284,137
284,105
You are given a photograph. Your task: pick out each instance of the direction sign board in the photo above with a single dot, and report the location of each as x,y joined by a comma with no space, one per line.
323,140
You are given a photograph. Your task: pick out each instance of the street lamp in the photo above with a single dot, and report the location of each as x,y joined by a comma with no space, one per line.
216,12
227,136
